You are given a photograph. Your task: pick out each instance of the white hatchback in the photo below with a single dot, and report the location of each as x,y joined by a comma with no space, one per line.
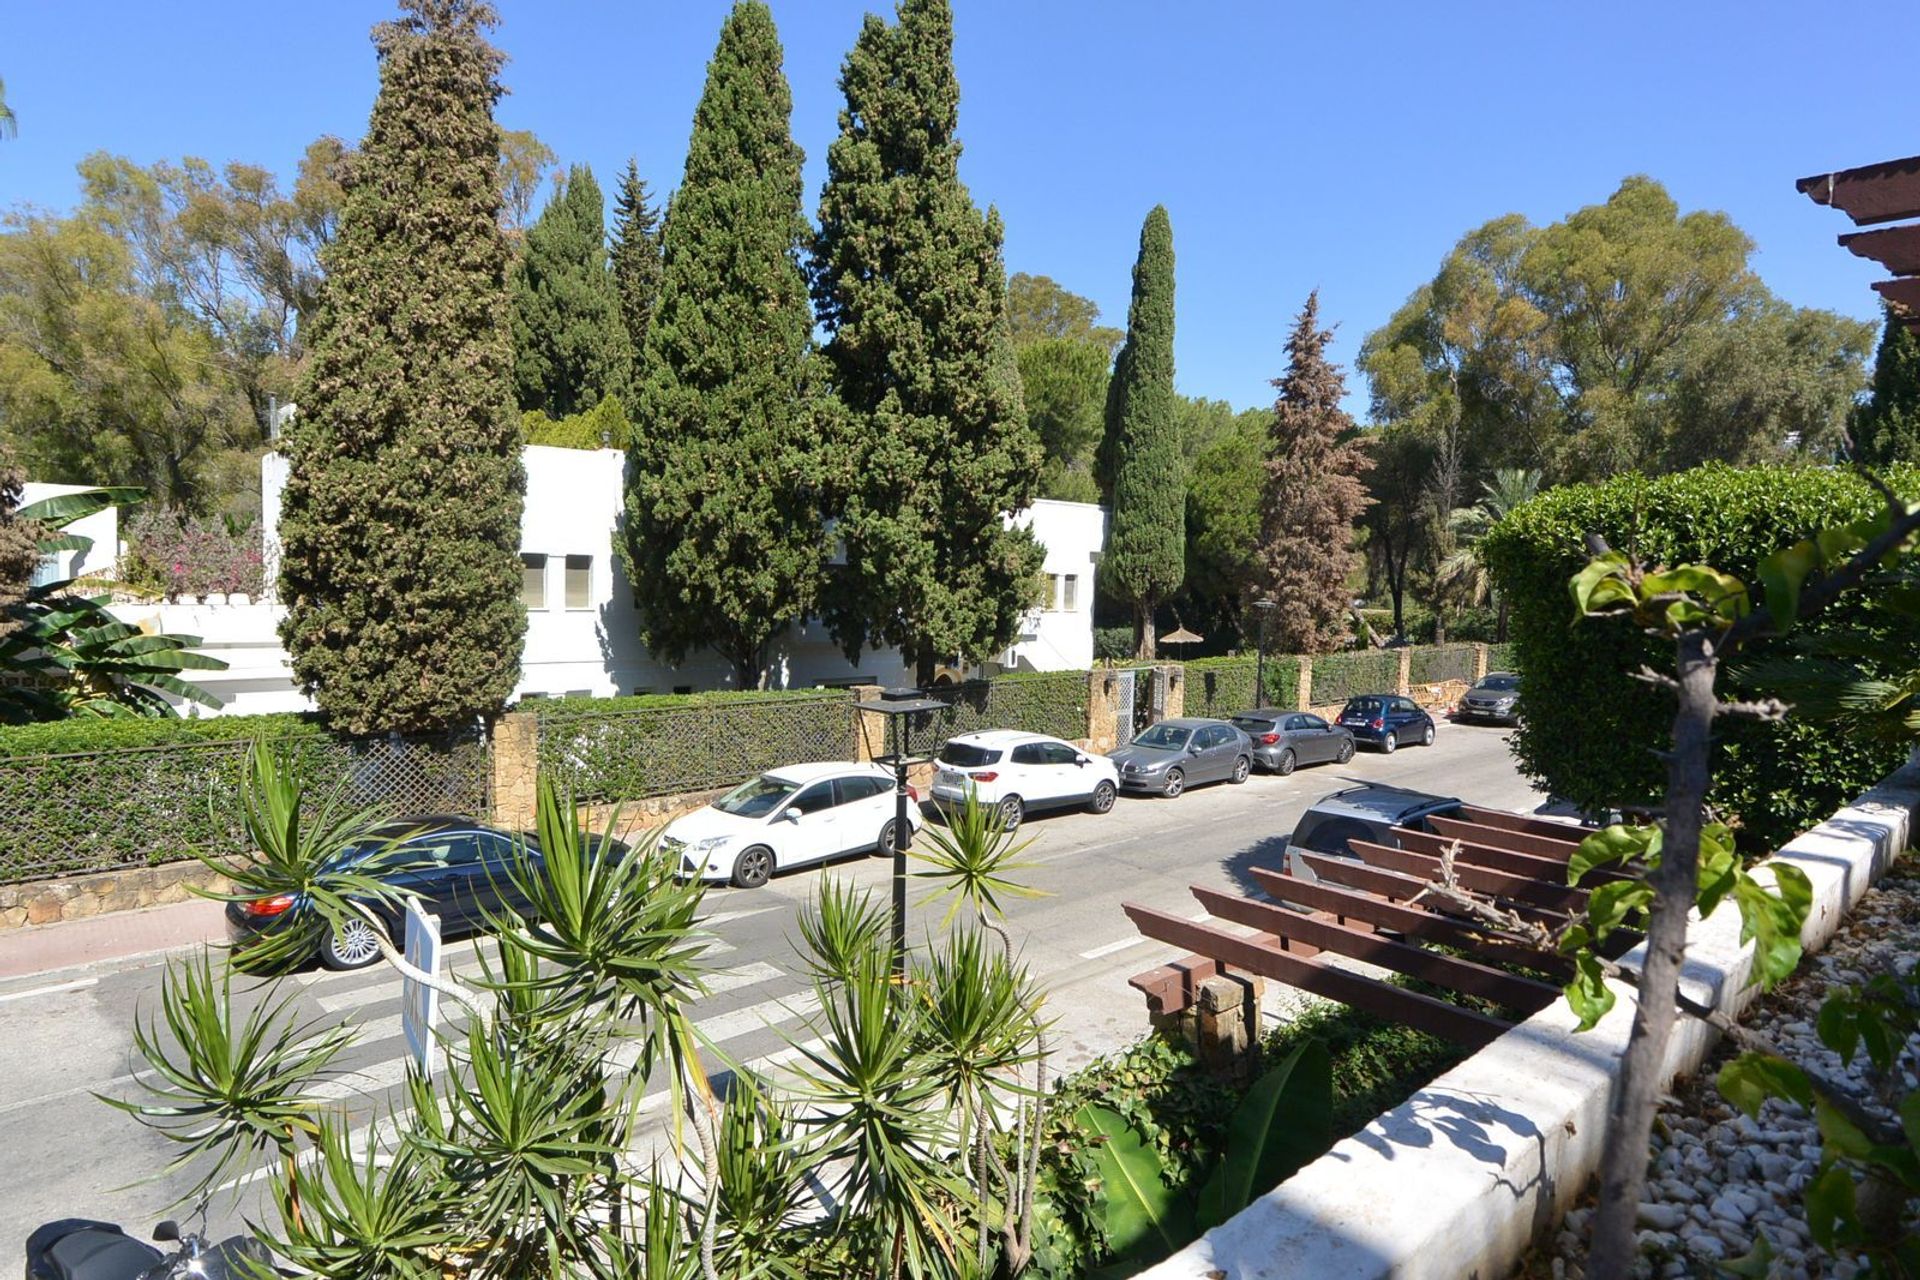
786,818
1022,773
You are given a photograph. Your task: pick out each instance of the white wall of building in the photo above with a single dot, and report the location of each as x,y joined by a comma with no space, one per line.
582,627
102,526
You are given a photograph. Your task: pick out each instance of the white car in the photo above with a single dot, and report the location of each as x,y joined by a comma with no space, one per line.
1022,773
786,818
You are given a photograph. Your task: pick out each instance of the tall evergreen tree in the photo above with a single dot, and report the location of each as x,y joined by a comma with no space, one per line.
636,259
1146,540
1887,427
1314,491
400,529
911,285
724,536
570,346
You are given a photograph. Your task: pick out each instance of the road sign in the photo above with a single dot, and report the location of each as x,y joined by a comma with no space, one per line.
419,1002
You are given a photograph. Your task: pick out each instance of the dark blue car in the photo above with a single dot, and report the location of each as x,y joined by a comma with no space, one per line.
1387,721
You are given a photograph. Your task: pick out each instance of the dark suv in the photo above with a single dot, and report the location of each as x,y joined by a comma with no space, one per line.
1368,813
1387,721
1495,698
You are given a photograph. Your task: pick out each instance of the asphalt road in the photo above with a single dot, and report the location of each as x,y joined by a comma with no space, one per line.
67,1036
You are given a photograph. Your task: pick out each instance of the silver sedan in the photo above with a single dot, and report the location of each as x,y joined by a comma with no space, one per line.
1283,739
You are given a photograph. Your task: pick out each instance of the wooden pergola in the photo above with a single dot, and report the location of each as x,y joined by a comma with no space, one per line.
1872,195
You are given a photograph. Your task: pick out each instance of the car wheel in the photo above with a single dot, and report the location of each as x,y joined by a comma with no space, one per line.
1286,764
753,867
1346,751
1101,801
885,843
1426,739
1241,768
1390,743
352,946
1175,784
1011,813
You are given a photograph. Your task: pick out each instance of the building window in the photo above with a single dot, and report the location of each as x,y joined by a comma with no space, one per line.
1053,591
579,582
533,581
1070,593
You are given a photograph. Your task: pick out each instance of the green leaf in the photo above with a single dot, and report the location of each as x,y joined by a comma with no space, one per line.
1617,843
1609,905
1781,575
1772,920
1602,586
1285,1121
1718,870
1839,1136
1588,992
1839,1028
1830,1205
1755,1264
1752,1078
1139,1210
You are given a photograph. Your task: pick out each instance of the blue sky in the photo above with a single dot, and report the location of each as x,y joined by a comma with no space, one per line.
1343,146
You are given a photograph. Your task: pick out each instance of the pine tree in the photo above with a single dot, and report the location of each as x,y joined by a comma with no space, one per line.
570,347
1886,428
725,541
910,283
1314,492
400,528
635,259
1147,538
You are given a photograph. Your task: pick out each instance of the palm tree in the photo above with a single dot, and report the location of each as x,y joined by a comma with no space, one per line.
9,123
1462,576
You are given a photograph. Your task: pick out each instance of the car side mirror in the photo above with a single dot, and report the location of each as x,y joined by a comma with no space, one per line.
167,1232
791,815
1194,749
1080,760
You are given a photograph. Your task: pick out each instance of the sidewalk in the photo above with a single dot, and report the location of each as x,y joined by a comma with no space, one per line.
39,948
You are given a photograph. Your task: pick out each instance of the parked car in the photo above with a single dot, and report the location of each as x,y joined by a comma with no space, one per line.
459,869
1368,813
1172,755
1283,739
1022,773
1495,698
788,817
1387,721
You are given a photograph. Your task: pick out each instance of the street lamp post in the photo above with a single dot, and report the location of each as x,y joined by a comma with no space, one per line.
1263,608
899,706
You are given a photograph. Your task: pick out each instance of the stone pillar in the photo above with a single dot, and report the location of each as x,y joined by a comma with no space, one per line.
1103,728
869,727
1479,663
1221,1025
1173,679
1305,698
516,770
1405,685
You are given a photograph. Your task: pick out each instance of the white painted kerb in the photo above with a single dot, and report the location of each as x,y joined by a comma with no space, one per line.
1459,1180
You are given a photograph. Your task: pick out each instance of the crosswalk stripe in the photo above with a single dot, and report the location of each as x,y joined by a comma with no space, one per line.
755,1017
727,917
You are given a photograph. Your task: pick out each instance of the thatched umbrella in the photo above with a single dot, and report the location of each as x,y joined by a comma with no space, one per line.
1180,635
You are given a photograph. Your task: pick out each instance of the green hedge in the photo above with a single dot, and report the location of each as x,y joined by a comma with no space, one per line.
1049,702
1502,657
1433,664
1591,731
1224,686
58,737
1339,676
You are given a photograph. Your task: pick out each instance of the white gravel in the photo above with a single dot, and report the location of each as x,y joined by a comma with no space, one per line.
1718,1179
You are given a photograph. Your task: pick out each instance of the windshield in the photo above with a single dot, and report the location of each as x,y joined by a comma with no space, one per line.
1251,724
756,797
1500,684
1364,706
966,755
1165,737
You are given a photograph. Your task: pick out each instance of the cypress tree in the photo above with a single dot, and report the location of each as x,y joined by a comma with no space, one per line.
1886,428
724,535
635,258
1147,536
570,347
400,528
911,286
1313,493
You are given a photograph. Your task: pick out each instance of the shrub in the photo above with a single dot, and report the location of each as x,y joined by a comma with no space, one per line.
1587,717
171,553
1224,686
604,426
1112,644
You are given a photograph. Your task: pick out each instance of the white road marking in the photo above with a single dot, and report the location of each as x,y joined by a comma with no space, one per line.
1111,947
727,917
57,987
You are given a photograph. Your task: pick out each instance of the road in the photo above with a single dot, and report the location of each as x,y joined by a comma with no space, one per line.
67,1036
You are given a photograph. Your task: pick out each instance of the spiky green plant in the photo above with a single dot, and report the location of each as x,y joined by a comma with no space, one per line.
838,926
763,1170
969,856
382,1214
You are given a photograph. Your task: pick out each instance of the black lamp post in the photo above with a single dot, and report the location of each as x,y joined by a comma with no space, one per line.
1263,608
899,706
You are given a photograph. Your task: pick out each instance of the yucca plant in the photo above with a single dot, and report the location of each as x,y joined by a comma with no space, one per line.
762,1191
838,926
381,1214
969,856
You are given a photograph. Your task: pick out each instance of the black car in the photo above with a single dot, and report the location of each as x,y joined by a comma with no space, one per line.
459,869
1388,721
1368,813
1496,699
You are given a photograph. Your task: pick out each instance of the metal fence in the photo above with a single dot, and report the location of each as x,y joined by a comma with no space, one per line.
1053,704
1432,664
1501,657
636,752
1217,688
137,806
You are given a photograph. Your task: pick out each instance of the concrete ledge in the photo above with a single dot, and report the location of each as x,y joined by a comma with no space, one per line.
1460,1179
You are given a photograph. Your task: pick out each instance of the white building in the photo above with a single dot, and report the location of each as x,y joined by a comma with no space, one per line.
102,527
582,628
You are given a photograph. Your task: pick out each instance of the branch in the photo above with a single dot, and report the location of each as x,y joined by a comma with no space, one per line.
1764,709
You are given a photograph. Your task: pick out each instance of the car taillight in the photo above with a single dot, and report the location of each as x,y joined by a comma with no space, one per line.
1269,738
913,793
276,905
1379,724
986,775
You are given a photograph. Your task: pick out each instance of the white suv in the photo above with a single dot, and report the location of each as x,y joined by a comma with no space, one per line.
1022,773
785,817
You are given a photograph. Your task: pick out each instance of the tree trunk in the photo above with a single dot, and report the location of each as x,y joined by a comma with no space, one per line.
1440,624
1623,1168
1143,632
923,665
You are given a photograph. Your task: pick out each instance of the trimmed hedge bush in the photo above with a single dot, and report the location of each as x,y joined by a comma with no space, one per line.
61,737
1591,730
1224,686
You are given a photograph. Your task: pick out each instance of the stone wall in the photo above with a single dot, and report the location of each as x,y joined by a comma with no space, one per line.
79,897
